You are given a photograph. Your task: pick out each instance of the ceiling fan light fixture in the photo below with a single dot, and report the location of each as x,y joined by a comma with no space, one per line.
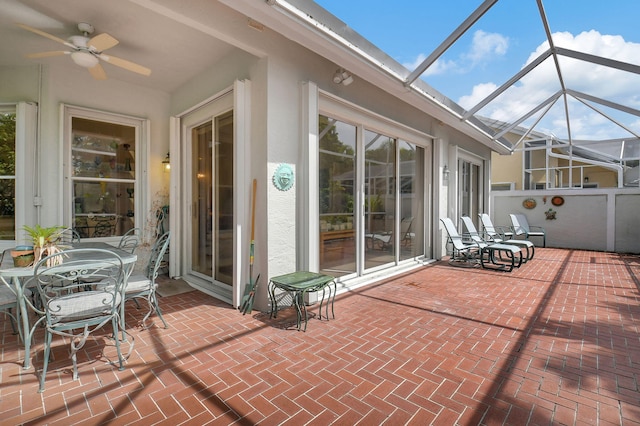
84,59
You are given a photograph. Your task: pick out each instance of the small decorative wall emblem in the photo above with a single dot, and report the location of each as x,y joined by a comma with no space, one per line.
551,214
283,177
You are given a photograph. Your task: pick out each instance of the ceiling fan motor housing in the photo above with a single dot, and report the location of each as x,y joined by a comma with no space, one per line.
85,28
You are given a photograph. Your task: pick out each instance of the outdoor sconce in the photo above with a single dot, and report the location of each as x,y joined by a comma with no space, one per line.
166,163
342,76
445,173
586,179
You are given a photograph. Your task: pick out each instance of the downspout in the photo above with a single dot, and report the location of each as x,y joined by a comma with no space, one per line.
37,186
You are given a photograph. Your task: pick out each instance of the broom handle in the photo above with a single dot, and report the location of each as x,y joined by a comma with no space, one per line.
253,208
253,221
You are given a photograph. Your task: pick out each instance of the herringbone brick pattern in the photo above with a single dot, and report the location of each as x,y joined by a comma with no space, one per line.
554,342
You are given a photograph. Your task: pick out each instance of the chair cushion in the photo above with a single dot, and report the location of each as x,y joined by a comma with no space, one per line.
83,304
138,283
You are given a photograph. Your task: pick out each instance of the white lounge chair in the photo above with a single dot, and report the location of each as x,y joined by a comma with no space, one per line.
520,226
495,234
491,256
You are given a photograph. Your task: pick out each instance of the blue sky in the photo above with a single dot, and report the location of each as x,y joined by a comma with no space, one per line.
501,43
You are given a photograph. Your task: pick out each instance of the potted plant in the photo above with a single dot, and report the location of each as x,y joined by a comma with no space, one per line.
46,241
23,256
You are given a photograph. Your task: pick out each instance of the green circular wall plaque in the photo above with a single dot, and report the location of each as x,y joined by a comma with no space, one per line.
283,177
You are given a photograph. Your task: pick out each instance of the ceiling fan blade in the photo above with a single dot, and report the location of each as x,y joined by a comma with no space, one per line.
43,34
128,65
47,54
102,42
97,72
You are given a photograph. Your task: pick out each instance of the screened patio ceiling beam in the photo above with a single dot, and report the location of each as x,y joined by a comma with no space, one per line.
552,46
533,126
524,71
541,105
605,115
449,41
604,102
599,60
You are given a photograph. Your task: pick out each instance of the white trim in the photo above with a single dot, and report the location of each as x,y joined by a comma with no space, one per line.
26,128
242,186
175,199
308,181
26,165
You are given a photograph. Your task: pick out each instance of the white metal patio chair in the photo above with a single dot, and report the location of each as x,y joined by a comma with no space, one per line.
68,308
144,285
520,226
130,240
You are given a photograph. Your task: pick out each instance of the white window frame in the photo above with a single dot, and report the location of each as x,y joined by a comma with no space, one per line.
25,177
141,186
314,103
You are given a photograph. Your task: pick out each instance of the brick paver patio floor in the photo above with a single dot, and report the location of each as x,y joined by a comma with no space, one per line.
554,342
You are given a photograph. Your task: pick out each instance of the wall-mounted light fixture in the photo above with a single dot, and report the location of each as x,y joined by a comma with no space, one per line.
166,163
342,77
586,179
445,173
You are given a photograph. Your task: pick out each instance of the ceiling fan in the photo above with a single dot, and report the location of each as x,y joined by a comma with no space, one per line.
87,52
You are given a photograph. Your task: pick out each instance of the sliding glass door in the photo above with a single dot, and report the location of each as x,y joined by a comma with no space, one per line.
371,189
208,135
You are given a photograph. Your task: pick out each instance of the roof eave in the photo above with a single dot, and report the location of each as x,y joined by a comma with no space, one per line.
316,29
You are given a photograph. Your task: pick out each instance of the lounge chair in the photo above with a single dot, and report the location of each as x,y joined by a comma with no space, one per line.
520,226
496,234
502,257
384,240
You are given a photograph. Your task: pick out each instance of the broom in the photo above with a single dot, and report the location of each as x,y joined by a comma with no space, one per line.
249,289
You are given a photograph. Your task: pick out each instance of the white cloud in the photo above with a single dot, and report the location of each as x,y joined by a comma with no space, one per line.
604,82
480,91
484,47
438,67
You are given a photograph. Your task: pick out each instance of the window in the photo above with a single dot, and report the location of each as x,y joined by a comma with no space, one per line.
503,186
103,172
371,191
7,173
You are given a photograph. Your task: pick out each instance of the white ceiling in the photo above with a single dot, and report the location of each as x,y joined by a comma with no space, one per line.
173,44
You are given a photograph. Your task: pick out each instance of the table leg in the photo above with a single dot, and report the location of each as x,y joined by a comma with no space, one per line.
335,290
24,314
271,289
300,295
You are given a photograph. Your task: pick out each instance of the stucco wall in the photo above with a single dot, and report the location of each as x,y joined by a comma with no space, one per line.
627,223
589,219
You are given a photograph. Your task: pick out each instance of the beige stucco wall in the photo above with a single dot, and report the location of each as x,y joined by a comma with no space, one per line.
508,168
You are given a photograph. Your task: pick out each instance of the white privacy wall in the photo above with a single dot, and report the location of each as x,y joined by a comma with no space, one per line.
589,219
